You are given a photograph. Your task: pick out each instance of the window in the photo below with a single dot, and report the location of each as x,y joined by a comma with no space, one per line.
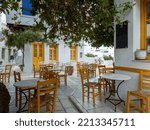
145,26
53,53
3,53
27,7
73,53
81,55
9,54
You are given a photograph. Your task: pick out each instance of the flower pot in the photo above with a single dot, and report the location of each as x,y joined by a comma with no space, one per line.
140,54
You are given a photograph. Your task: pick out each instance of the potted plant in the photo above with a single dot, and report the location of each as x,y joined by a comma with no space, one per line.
140,54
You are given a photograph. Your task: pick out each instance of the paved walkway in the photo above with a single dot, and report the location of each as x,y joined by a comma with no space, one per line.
69,99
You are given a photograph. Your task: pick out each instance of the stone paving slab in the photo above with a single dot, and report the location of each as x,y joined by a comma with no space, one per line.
69,98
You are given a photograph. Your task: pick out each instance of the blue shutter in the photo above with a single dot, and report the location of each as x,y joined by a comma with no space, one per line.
27,7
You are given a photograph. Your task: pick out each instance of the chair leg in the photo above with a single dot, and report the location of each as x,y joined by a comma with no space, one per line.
47,107
93,96
16,93
66,81
82,94
20,100
54,102
147,105
88,94
34,74
29,101
141,105
8,78
100,92
128,102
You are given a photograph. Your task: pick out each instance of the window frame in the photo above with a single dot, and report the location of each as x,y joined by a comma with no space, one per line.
143,28
73,53
54,56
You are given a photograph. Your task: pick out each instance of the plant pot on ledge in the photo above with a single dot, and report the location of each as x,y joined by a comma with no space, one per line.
140,54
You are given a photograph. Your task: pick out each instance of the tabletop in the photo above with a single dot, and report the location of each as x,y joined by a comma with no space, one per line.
30,83
114,76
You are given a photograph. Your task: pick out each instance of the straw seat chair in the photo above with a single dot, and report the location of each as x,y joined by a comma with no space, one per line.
6,74
92,69
63,75
18,95
36,71
143,94
42,70
102,81
45,96
88,87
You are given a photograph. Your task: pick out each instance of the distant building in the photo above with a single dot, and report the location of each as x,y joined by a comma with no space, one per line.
35,53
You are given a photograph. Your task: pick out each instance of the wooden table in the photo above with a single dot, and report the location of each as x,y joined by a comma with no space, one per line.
28,85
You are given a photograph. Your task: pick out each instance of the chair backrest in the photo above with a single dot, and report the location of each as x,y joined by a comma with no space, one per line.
100,68
48,87
35,67
84,73
107,70
17,76
93,66
50,66
68,70
8,68
50,74
42,70
144,80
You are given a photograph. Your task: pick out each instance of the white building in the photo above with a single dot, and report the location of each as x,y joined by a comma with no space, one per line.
99,53
5,52
41,52
138,38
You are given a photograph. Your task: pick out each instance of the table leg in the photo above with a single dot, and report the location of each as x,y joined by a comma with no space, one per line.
113,100
26,100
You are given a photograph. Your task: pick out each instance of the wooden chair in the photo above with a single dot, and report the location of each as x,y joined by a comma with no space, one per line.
78,68
50,66
42,70
6,74
143,94
89,87
50,74
102,81
45,96
36,71
92,69
100,67
19,96
63,74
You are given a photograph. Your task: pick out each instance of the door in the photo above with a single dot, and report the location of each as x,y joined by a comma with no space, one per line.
37,54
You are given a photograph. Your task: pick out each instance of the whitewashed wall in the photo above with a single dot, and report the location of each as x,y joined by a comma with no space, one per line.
125,57
63,53
28,58
21,19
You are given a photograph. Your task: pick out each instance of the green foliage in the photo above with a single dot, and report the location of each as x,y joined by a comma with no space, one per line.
19,38
90,55
73,20
108,57
7,5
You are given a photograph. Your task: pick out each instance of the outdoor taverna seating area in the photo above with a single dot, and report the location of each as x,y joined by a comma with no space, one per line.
86,88
75,56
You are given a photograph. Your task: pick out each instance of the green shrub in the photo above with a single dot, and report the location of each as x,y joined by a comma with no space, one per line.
90,55
108,57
